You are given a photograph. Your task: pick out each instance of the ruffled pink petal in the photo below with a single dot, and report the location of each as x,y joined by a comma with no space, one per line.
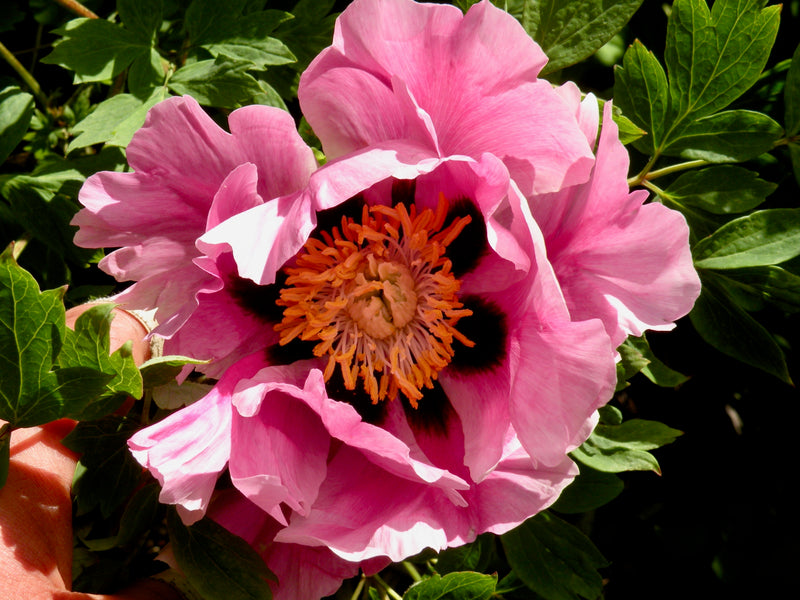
191,172
187,450
279,454
628,264
369,522
472,77
237,194
340,421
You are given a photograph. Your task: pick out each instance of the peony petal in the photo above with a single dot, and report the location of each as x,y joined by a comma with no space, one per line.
187,450
564,373
472,79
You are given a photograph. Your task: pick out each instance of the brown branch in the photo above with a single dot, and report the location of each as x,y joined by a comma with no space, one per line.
78,8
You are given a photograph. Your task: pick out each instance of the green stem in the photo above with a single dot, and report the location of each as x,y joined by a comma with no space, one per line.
692,164
359,587
637,179
412,571
653,188
387,588
29,80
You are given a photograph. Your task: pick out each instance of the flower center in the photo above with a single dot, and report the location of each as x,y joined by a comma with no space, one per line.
380,299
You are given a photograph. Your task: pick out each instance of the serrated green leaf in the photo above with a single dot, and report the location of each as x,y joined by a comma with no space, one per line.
31,329
590,490
95,49
88,346
655,370
247,39
641,91
554,559
791,96
222,82
721,190
568,32
765,237
714,57
454,586
16,110
625,447
469,557
771,283
220,565
203,16
108,473
728,136
114,121
141,17
732,331
146,76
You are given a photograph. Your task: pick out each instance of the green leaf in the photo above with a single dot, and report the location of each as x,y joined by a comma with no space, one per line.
791,95
114,121
164,369
554,559
44,205
624,447
590,490
641,91
721,190
141,17
96,50
16,110
309,31
454,586
794,155
732,331
470,557
568,32
146,76
655,370
139,514
714,57
765,237
628,131
774,284
31,330
247,39
107,473
220,565
729,136
222,82
632,361
89,346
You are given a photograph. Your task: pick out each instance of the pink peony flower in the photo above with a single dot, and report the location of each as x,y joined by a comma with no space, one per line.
428,382
438,308
189,175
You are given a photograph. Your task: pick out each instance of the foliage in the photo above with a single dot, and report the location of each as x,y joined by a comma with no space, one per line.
712,134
